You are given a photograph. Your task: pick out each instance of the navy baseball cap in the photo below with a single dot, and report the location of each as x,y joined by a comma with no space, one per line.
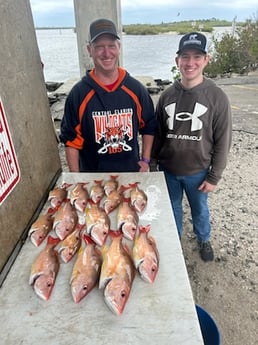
100,27
193,40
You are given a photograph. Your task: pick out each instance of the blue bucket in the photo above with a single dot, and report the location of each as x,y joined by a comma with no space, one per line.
209,329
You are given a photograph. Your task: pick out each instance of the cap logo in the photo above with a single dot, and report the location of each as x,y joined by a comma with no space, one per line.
193,40
104,26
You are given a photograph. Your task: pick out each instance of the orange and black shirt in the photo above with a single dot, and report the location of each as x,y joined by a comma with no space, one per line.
103,122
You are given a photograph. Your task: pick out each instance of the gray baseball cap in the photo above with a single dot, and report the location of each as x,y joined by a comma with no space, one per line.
100,27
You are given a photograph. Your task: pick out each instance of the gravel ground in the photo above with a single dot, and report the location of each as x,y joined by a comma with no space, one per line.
228,287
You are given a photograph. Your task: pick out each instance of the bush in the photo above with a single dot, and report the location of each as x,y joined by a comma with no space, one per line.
235,53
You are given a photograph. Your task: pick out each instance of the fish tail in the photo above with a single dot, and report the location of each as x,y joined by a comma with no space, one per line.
53,240
87,239
144,229
66,185
133,185
115,233
98,181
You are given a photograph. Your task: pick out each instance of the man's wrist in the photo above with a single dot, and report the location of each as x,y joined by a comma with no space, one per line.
145,160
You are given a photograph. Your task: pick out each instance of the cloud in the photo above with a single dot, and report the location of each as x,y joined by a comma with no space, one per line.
251,4
44,6
61,12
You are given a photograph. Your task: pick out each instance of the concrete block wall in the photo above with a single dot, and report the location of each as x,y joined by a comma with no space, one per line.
24,99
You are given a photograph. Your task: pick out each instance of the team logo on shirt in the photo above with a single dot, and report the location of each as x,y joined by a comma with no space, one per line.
196,123
113,131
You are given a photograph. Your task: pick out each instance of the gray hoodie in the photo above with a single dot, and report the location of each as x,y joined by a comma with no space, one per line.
194,130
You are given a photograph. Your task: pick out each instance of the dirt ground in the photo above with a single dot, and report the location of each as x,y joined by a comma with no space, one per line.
228,287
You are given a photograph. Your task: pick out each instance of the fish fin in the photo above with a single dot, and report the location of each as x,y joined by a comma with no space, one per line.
127,249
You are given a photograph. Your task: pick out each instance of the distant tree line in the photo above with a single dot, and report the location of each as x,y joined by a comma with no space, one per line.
178,27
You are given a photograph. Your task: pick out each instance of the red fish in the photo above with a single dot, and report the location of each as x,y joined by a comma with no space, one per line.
86,270
70,245
44,270
127,219
58,195
117,274
111,184
138,197
79,196
97,223
113,200
146,255
65,220
97,191
41,228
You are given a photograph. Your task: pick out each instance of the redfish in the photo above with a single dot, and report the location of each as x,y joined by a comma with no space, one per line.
86,270
97,223
138,197
41,228
65,220
127,219
117,274
79,196
70,245
146,255
44,270
97,191
111,184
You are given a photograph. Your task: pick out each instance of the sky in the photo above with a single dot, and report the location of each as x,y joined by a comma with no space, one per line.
56,13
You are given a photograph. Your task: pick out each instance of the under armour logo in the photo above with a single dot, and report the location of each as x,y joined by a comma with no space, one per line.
196,125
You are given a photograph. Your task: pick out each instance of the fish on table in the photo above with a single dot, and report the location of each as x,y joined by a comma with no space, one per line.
44,269
127,219
117,273
58,195
111,184
41,228
138,197
79,196
97,223
70,245
65,220
145,254
97,191
86,270
113,200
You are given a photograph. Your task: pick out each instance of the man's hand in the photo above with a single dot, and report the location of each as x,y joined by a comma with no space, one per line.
206,187
144,167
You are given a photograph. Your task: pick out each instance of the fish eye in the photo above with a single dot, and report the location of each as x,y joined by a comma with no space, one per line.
85,287
123,294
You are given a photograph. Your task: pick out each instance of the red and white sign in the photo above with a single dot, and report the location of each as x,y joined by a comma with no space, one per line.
9,168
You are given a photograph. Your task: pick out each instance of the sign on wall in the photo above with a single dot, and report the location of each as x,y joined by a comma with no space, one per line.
9,168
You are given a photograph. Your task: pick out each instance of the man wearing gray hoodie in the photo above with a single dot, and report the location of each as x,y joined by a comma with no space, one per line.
193,137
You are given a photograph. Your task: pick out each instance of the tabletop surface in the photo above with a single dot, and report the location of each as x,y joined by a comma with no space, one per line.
159,313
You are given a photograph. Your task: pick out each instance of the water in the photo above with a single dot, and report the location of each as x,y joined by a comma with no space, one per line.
150,55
